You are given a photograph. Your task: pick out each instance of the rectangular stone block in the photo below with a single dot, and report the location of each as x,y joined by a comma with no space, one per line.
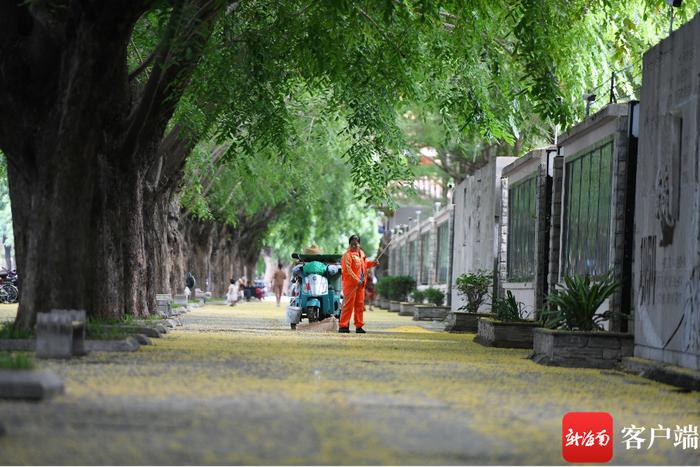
27,345
430,313
29,384
123,345
562,348
54,336
406,308
494,333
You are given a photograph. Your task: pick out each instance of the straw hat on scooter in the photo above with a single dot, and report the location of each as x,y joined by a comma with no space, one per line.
313,250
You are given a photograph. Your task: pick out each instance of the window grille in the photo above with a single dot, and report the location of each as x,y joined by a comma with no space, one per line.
412,256
522,225
425,258
443,253
588,200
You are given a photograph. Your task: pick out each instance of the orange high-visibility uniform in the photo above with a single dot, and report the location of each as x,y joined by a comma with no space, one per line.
354,265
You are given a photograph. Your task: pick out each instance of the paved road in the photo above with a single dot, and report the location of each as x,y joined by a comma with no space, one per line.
235,386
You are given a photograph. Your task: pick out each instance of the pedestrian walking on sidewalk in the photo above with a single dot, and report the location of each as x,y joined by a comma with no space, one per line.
232,294
278,282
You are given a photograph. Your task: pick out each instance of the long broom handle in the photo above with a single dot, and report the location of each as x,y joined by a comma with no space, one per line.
384,250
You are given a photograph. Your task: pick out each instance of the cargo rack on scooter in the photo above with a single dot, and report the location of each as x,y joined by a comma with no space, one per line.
330,258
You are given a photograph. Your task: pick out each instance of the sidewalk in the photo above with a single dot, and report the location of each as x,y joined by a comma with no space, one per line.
236,386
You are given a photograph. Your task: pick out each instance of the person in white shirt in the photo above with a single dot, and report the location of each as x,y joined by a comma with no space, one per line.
232,293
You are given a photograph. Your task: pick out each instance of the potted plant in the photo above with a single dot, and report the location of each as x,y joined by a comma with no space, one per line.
474,288
434,310
573,334
409,308
418,297
396,289
382,300
405,285
508,326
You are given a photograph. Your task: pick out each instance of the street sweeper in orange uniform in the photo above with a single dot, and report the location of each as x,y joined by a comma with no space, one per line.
354,266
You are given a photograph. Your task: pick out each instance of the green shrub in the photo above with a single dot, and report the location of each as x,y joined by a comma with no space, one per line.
418,296
508,308
395,287
474,287
434,296
8,331
16,361
574,307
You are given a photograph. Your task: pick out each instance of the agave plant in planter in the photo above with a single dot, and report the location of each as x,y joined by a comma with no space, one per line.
508,309
575,306
574,334
474,288
508,326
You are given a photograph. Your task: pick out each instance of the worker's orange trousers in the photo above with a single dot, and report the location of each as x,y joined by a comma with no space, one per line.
353,302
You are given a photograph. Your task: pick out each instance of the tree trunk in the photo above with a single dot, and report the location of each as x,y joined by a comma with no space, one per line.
79,237
81,139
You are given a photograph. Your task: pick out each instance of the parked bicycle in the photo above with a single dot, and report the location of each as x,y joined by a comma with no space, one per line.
9,287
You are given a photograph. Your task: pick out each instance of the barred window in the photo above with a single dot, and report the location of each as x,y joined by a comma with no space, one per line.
443,253
522,224
588,199
425,258
412,263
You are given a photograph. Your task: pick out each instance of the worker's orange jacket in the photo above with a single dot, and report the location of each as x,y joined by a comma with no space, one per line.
355,265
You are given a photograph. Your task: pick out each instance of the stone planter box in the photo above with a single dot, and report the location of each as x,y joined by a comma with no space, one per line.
430,313
394,306
383,303
461,321
581,349
514,335
407,308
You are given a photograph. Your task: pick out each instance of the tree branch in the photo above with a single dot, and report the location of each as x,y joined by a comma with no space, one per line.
143,66
176,57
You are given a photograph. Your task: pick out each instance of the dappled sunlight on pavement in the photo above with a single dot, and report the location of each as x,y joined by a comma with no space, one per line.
235,385
8,311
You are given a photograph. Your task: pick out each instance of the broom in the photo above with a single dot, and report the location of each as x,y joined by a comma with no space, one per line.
326,325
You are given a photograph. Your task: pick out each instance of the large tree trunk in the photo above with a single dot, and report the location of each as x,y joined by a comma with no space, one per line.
79,238
80,140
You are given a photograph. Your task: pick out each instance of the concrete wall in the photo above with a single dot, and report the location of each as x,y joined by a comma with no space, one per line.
416,231
609,123
477,204
667,204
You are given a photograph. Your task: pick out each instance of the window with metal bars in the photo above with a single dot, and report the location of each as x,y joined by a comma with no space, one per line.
587,207
412,263
522,224
425,258
443,253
